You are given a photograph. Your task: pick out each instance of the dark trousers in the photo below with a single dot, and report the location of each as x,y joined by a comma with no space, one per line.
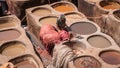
3,8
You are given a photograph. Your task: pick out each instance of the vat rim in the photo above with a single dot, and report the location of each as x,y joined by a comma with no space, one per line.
100,7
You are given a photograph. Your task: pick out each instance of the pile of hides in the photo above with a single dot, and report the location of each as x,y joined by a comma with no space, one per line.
50,36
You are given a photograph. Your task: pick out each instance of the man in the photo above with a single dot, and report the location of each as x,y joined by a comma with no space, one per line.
61,23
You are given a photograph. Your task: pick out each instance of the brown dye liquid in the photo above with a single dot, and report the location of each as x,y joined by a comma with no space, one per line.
7,24
9,35
25,64
64,8
112,5
41,12
49,20
13,49
99,41
86,62
111,57
73,16
83,28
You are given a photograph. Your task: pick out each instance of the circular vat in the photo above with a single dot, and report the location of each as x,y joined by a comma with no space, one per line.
110,57
41,11
109,4
25,61
13,48
73,15
99,41
9,34
75,45
117,14
86,62
7,23
83,28
63,7
48,20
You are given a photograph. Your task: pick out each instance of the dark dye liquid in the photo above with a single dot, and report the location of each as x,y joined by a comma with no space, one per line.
83,28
